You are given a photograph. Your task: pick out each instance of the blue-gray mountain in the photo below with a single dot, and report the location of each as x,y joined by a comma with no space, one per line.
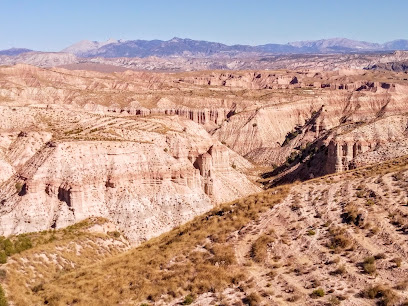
198,48
14,51
179,47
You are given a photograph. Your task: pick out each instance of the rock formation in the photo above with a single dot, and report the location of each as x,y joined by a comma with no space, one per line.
151,150
145,185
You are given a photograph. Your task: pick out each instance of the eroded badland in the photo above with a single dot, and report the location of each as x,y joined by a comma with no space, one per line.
210,187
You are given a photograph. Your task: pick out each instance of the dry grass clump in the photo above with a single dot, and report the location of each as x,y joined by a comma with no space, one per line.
369,266
338,239
397,261
340,270
384,294
3,300
317,293
260,247
352,214
172,265
252,299
402,285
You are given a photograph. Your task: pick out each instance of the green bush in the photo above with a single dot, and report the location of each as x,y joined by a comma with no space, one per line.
317,293
19,187
311,232
12,246
189,299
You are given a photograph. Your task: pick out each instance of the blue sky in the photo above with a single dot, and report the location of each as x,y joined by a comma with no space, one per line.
52,25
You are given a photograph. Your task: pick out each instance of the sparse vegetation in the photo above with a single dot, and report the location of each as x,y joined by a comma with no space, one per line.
3,300
384,294
189,299
259,248
311,232
253,299
341,270
12,246
189,263
292,135
397,261
369,266
317,293
338,239
19,187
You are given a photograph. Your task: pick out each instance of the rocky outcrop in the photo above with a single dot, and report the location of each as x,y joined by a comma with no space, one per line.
145,186
380,140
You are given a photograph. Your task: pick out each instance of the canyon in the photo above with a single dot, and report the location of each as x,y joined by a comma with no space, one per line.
79,144
137,155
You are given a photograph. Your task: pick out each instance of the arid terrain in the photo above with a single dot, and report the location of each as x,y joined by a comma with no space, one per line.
213,187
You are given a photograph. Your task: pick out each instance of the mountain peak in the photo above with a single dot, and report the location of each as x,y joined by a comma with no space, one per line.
14,51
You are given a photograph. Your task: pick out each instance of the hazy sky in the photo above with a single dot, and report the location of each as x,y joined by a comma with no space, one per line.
53,25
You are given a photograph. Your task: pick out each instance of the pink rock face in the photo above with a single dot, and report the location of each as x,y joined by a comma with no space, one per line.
374,142
152,150
145,187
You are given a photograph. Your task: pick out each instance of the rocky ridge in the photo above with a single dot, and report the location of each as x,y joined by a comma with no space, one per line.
84,165
183,134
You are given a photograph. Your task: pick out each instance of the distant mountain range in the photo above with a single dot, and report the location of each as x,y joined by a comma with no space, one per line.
179,47
14,51
198,48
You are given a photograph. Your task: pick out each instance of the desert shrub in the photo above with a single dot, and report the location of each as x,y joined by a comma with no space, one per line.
350,214
380,256
338,239
334,300
339,271
397,261
370,202
22,243
252,299
385,295
114,234
260,247
311,232
3,300
3,257
37,288
12,246
19,187
189,299
222,255
317,293
293,298
3,274
399,176
295,206
402,285
369,266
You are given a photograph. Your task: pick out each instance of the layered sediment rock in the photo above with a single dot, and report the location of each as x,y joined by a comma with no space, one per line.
146,187
370,143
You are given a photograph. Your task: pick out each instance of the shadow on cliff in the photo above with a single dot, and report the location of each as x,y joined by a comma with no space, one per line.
305,165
